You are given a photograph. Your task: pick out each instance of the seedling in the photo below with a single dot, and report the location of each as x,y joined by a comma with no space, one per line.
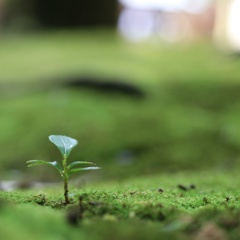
65,145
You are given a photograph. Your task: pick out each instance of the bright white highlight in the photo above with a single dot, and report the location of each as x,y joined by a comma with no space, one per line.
135,25
192,6
142,19
233,24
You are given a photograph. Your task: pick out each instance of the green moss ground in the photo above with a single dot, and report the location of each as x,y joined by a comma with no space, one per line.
146,207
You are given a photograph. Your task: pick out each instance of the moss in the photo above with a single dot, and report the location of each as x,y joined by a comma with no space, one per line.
138,202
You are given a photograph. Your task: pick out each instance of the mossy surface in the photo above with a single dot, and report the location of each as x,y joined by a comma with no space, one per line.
179,205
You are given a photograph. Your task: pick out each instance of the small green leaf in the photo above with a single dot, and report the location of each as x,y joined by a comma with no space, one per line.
73,164
65,144
32,163
83,169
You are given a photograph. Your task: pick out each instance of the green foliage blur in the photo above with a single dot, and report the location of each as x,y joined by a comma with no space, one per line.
188,118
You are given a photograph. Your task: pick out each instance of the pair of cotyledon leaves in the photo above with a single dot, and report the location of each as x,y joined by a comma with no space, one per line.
65,145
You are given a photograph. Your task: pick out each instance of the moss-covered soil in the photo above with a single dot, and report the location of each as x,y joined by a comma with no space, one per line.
203,205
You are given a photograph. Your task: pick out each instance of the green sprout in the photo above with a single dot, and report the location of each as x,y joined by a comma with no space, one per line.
65,145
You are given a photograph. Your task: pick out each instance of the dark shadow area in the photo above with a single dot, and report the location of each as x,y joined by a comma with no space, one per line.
50,14
74,13
105,86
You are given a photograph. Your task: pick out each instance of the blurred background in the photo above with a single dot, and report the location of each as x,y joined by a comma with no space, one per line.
145,86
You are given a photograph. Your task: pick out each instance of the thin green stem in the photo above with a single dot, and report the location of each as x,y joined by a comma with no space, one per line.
65,176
